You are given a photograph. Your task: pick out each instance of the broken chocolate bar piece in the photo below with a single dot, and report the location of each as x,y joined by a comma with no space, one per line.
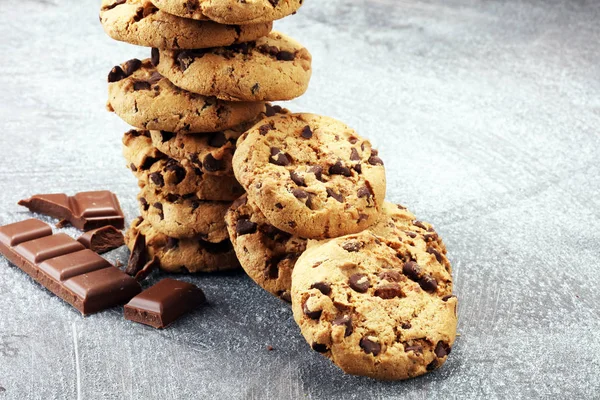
64,266
102,239
163,303
85,210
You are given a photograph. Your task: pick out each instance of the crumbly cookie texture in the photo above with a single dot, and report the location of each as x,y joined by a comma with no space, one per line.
375,307
274,67
145,99
267,254
183,217
160,173
140,22
311,176
183,255
211,152
231,11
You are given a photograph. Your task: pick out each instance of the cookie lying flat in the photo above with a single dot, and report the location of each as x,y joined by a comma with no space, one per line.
140,22
143,98
371,306
210,152
170,176
183,255
184,216
267,254
273,67
311,176
230,11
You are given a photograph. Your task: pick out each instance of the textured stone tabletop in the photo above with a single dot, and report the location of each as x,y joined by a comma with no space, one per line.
487,115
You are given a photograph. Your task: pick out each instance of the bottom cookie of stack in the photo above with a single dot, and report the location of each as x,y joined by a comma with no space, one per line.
183,255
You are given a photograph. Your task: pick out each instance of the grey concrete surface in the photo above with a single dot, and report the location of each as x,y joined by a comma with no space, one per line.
487,114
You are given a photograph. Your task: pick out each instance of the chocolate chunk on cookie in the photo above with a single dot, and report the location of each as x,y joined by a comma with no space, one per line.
308,185
140,22
373,319
182,255
230,11
145,99
274,67
267,254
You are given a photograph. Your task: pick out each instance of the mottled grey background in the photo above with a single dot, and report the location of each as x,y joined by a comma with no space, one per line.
487,115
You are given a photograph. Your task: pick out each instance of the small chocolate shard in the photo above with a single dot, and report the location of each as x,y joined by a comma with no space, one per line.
147,269
138,257
103,239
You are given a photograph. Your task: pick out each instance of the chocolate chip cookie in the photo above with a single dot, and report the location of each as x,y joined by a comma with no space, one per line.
230,11
183,217
267,254
375,307
170,176
211,152
182,255
145,99
311,176
273,67
140,22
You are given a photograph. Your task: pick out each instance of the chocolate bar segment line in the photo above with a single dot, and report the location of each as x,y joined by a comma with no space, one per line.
85,210
163,303
62,265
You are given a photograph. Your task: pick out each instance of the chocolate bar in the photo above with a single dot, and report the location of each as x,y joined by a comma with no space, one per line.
102,239
85,210
163,303
64,266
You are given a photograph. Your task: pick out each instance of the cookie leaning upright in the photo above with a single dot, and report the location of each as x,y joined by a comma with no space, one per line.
311,176
376,306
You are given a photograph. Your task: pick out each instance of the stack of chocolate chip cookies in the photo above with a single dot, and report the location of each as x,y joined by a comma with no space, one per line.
213,67
298,200
370,284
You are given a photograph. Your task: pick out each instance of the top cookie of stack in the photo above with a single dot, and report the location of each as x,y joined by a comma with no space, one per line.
212,68
194,48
